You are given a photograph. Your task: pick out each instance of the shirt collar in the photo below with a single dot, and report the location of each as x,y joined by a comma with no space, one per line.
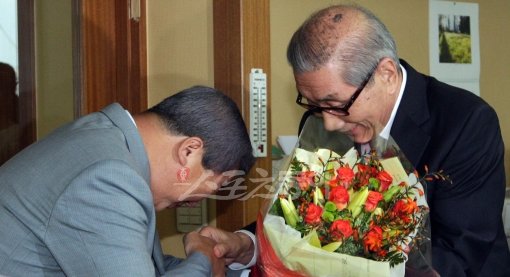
385,133
130,116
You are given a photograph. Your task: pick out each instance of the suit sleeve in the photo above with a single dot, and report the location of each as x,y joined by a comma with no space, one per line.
103,225
196,264
466,215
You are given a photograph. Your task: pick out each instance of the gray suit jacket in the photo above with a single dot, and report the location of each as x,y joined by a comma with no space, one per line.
78,203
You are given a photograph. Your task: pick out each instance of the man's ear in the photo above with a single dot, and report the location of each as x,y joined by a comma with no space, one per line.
388,71
190,148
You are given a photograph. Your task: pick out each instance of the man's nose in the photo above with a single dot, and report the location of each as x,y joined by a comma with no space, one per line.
332,122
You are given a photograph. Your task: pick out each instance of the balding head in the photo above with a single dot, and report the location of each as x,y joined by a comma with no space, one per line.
349,36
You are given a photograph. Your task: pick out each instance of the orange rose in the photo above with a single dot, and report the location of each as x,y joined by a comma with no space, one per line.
313,214
372,200
344,176
341,229
339,196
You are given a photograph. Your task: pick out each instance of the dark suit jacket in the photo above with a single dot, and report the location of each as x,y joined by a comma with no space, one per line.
78,203
447,128
450,129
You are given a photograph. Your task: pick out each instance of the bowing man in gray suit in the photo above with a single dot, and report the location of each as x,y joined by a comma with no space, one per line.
82,201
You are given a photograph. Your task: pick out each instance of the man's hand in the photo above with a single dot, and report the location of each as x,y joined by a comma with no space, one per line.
233,247
194,242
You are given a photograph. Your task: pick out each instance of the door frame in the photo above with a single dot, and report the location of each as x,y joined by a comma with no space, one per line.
26,74
109,54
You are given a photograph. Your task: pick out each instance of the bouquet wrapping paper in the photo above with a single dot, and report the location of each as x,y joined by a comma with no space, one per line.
334,212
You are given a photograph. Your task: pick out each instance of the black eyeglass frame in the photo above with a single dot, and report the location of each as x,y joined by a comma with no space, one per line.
342,111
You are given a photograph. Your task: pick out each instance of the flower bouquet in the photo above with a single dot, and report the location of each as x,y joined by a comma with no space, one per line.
344,214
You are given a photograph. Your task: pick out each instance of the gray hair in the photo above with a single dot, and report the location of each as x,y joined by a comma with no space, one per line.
358,52
209,114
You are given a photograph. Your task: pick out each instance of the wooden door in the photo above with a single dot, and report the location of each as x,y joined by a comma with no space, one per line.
110,54
109,65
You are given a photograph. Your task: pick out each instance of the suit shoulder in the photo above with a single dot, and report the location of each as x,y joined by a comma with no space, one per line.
441,94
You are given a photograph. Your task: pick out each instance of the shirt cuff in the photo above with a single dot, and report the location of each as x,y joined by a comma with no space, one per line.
237,266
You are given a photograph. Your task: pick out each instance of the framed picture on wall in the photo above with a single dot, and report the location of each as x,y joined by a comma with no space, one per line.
454,44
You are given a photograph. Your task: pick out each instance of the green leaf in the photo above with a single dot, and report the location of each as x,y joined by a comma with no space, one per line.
329,171
318,197
388,195
313,239
276,152
331,247
351,247
289,211
359,198
328,216
373,184
330,206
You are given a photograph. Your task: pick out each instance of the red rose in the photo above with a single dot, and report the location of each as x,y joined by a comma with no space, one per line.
341,229
372,200
339,196
313,214
305,179
385,179
345,175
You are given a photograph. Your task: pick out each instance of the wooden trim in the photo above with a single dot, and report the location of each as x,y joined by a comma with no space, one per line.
228,78
79,97
137,61
227,49
26,78
241,42
112,55
256,54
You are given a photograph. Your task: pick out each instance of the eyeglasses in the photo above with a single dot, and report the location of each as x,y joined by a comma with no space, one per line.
343,110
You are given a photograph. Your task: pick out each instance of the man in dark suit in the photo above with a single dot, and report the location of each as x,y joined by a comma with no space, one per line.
346,67
347,71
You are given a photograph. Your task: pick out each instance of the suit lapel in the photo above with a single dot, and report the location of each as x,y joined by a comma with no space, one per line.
411,140
408,128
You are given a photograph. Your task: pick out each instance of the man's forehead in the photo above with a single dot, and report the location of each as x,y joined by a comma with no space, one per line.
318,91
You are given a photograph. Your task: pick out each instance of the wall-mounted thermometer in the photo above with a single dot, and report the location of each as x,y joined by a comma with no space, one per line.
258,112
